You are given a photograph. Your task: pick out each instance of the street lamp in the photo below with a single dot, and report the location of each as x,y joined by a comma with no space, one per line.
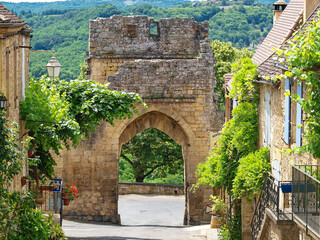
53,67
3,102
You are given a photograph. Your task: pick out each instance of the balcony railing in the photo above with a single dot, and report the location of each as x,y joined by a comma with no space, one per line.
269,198
306,195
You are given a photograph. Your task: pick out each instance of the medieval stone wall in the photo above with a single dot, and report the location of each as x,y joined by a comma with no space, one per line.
150,188
132,36
173,72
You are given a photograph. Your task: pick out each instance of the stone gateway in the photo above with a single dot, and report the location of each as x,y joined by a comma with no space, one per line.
170,64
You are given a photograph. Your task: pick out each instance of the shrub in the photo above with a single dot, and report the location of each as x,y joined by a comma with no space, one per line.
250,174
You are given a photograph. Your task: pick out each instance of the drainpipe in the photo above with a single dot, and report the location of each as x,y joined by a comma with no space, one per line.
23,69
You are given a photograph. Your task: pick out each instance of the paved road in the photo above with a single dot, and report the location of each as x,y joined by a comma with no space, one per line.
142,217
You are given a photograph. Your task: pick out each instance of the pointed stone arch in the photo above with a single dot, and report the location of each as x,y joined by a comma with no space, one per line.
157,120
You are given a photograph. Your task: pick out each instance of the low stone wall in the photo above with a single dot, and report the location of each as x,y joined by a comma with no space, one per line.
150,188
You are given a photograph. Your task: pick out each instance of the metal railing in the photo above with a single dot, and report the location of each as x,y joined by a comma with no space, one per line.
306,195
269,198
52,199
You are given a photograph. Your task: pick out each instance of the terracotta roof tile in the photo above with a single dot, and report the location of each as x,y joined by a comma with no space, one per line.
8,17
269,67
280,32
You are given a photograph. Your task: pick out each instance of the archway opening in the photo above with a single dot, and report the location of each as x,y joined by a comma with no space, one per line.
151,157
151,180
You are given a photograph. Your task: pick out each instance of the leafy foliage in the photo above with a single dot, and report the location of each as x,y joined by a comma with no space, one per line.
153,153
232,229
302,58
225,55
251,172
60,112
58,7
243,87
18,217
11,159
126,175
238,139
67,33
242,26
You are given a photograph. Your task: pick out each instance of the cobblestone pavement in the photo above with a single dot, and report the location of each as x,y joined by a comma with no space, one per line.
142,217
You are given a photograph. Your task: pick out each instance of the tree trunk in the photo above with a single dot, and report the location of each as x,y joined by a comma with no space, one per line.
139,178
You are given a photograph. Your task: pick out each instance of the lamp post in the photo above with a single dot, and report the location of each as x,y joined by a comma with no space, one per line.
3,102
53,67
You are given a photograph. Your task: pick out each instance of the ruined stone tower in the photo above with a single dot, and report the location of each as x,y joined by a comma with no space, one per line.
170,64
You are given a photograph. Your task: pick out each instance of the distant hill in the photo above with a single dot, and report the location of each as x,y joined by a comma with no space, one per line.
78,4
66,31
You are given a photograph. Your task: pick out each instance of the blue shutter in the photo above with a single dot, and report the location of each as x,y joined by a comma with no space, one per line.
299,117
287,119
267,133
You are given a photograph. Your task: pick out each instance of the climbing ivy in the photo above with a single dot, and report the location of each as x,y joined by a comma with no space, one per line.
251,173
238,139
225,55
302,58
235,163
58,113
243,87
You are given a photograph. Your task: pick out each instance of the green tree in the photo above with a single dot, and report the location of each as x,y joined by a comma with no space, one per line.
152,152
60,113
238,139
225,55
18,217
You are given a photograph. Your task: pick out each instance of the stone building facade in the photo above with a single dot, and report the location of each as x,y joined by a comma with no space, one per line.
170,64
279,120
14,65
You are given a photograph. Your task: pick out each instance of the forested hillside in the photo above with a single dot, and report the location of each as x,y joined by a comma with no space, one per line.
66,32
79,4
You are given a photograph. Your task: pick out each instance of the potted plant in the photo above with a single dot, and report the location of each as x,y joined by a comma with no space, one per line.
69,193
45,184
219,208
37,193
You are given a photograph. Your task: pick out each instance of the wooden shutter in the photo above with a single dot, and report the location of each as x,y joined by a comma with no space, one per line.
287,118
299,117
267,133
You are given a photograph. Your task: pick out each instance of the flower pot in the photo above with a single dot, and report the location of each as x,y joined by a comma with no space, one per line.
39,200
286,187
66,201
65,195
23,181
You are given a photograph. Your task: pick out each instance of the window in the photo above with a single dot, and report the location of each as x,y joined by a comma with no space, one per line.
299,117
132,31
287,117
267,130
154,29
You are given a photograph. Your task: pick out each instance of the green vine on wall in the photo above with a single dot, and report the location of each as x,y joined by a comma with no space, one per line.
302,58
235,163
58,113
